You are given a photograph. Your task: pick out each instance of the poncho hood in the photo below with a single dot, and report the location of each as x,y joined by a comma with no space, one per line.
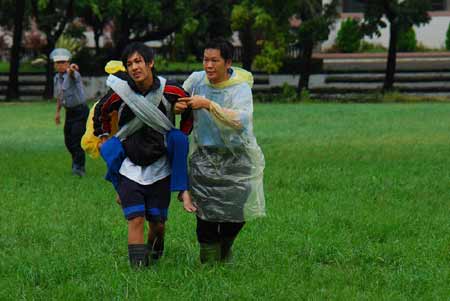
239,76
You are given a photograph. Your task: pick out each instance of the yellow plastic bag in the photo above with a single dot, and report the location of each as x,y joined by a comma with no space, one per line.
90,142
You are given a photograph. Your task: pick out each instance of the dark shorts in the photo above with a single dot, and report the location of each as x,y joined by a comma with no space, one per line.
149,201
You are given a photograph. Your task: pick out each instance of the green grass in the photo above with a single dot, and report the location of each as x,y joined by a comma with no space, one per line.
24,67
357,199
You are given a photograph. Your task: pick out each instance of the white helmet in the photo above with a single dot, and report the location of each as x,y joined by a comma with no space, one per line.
60,54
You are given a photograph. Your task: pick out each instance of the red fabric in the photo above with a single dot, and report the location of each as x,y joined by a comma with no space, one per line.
170,89
187,124
105,118
187,120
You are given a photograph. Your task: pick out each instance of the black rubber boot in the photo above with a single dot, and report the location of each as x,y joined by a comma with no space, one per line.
226,254
209,253
138,255
156,248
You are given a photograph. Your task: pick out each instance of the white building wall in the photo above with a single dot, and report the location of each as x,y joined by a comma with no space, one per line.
431,35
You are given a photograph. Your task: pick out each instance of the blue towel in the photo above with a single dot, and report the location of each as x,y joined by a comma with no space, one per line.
177,149
113,153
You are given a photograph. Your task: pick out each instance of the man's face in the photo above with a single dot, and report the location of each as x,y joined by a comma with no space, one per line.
138,70
61,66
215,66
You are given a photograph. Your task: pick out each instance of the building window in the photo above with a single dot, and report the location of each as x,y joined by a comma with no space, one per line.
438,4
353,6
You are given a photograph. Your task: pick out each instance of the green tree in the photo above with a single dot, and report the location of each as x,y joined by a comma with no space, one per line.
265,23
349,36
251,19
407,41
17,9
271,57
203,20
94,14
52,18
274,42
400,14
144,20
317,20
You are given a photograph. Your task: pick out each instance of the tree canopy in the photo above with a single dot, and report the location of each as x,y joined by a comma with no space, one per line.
398,15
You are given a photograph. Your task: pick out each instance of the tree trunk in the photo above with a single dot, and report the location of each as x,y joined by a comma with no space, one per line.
122,37
305,69
48,92
392,57
97,34
13,85
248,48
121,43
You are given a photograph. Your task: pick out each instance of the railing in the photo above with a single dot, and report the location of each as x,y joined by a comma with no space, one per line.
291,52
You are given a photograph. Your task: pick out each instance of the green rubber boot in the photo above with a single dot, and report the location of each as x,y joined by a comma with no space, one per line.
226,254
209,253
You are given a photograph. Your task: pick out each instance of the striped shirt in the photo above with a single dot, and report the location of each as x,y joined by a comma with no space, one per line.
69,90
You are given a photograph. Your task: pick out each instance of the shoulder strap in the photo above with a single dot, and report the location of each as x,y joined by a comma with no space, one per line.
144,109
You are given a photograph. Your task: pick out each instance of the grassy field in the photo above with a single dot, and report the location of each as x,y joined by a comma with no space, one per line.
24,67
357,198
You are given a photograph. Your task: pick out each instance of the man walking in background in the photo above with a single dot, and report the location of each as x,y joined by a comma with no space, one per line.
69,93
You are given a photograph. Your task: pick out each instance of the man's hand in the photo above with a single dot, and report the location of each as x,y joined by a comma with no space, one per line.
185,197
57,118
102,140
118,201
180,107
72,68
197,102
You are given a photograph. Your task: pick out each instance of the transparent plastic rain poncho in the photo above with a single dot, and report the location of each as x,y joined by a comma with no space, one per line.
225,162
145,108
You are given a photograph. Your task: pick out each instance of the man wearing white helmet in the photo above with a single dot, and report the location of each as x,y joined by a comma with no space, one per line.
69,93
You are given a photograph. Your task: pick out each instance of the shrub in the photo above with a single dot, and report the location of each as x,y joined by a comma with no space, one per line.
34,40
423,48
91,63
271,58
372,48
407,40
349,36
74,45
288,93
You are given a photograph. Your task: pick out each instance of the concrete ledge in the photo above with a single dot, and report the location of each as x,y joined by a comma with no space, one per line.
383,55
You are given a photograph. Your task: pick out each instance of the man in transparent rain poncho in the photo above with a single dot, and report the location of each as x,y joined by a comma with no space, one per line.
225,162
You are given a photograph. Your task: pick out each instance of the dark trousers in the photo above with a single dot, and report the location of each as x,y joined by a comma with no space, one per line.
214,232
74,128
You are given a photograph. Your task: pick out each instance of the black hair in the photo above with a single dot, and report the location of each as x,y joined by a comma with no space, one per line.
136,47
225,47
